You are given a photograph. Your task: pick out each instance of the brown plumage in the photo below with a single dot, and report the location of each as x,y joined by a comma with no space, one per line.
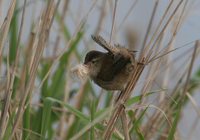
110,70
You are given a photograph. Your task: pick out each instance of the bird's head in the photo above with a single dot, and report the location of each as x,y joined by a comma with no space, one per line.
93,61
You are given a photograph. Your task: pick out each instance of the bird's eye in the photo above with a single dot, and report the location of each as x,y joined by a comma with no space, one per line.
94,61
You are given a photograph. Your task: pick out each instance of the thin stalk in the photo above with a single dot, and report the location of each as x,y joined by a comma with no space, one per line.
113,20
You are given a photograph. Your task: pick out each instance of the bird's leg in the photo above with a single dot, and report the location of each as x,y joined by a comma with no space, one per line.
141,63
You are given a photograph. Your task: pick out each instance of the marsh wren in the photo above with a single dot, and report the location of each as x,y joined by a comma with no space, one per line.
110,70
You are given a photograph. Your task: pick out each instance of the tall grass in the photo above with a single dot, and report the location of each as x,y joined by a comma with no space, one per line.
41,100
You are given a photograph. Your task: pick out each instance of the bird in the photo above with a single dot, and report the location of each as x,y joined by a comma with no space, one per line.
110,70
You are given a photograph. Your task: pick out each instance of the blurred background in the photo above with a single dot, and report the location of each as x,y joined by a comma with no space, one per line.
42,40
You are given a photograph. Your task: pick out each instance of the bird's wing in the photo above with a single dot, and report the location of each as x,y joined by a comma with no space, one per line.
105,73
119,63
99,40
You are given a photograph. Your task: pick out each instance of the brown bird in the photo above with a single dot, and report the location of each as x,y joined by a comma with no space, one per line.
110,70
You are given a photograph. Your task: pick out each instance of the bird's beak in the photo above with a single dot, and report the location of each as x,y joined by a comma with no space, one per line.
87,65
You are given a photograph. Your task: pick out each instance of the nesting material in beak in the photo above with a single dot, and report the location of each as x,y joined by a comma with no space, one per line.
81,71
